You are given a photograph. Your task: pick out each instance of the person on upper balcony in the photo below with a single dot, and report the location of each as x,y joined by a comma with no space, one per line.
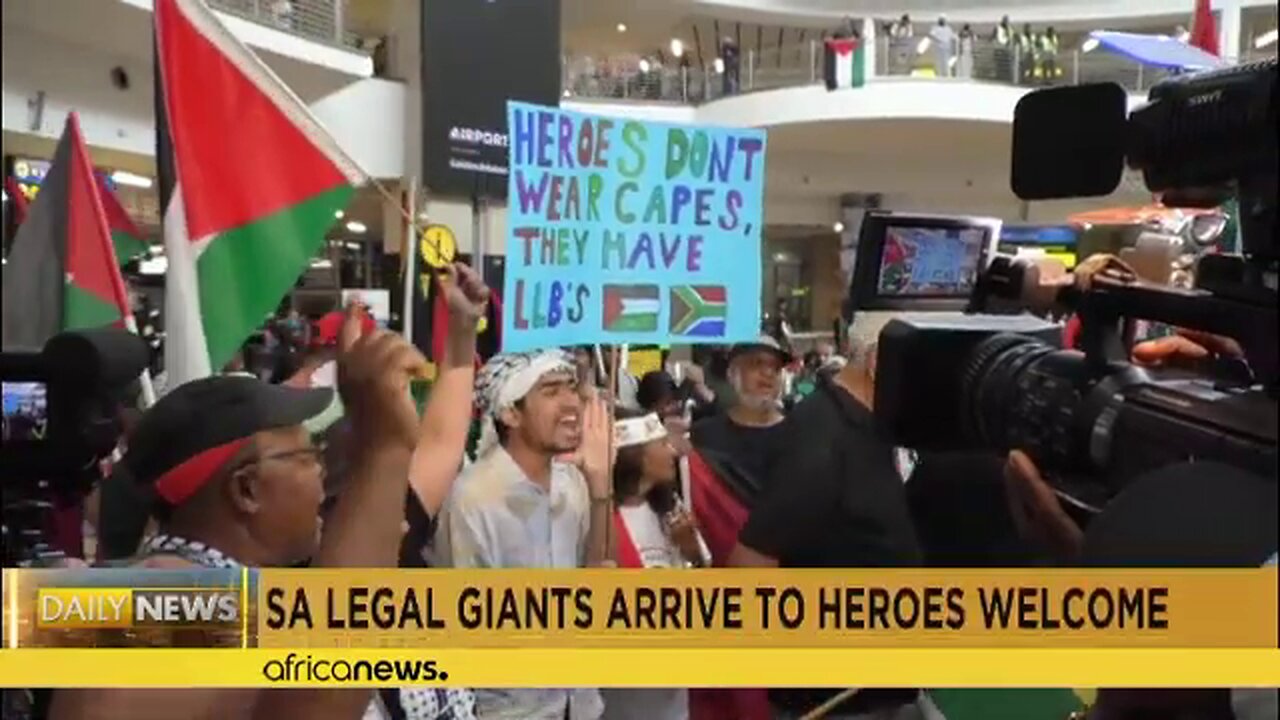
944,41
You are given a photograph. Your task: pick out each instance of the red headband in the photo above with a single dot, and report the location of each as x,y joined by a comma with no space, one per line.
184,479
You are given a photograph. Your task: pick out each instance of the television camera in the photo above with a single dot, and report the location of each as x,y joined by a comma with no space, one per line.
61,418
993,379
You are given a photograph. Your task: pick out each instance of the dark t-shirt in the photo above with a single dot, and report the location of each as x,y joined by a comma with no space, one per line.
835,498
748,450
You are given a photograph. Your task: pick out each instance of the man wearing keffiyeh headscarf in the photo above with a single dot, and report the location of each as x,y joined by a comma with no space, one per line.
548,420
521,505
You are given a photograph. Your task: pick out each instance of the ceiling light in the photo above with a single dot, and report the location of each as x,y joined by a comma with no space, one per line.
338,214
321,263
644,65
1265,39
922,46
837,226
677,47
622,27
351,245
1089,45
356,227
120,177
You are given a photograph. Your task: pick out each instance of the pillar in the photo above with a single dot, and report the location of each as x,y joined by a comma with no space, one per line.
869,46
1229,22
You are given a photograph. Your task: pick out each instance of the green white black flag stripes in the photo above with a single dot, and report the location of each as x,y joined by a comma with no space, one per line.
250,182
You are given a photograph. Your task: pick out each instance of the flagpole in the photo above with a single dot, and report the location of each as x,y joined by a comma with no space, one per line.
148,388
409,247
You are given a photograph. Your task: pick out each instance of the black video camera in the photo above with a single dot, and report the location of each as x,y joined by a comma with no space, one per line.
1088,417
61,403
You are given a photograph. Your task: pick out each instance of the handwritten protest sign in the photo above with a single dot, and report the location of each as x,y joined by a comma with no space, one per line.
623,231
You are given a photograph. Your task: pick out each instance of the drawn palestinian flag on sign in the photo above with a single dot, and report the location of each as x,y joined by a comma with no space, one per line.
631,308
698,310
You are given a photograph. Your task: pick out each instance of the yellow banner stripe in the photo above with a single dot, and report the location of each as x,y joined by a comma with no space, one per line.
544,667
726,608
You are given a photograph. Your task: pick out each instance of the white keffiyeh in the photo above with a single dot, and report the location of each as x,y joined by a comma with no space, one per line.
506,379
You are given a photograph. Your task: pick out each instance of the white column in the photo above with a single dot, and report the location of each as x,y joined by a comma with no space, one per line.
869,47
1229,29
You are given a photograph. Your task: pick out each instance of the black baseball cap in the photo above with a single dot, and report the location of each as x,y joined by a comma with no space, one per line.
196,429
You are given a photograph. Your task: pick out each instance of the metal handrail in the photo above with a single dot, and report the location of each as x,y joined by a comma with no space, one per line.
638,78
318,20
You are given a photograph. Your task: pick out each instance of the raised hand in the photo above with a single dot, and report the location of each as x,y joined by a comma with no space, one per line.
374,372
465,293
682,527
596,455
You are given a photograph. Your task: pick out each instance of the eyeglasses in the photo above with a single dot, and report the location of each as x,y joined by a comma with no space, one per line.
310,454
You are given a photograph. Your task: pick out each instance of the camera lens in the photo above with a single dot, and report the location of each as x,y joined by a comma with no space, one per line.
991,393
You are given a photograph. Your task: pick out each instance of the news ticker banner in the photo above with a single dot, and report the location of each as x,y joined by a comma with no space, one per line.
477,627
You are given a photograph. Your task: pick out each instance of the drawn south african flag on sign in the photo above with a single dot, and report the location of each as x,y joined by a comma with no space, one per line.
698,310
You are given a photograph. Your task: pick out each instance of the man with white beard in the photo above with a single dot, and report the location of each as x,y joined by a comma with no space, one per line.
745,437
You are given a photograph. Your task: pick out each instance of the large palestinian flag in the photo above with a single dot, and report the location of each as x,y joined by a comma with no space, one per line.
249,184
62,272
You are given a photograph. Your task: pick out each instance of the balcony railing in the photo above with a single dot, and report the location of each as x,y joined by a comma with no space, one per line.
318,20
635,78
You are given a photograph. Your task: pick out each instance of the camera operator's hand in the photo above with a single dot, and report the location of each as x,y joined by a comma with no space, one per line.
1185,349
1036,510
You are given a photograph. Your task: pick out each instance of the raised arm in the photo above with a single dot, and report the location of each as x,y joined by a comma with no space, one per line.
442,438
364,529
595,458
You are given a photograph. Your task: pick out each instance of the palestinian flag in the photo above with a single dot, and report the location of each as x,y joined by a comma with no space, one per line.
62,272
236,240
698,310
631,308
844,63
1204,29
126,236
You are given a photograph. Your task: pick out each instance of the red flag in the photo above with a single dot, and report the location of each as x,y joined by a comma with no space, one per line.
1204,29
16,197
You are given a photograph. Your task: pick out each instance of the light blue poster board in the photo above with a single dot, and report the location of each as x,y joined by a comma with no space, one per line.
626,231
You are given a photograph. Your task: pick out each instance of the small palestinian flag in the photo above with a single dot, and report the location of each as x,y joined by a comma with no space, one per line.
844,63
126,236
236,241
62,272
631,308
698,310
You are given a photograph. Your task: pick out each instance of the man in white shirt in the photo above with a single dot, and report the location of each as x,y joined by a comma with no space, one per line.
520,506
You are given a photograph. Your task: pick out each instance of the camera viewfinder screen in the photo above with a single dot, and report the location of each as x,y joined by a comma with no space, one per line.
26,411
930,261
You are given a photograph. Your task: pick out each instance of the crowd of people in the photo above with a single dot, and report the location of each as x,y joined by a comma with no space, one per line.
749,457
1009,54
1024,56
